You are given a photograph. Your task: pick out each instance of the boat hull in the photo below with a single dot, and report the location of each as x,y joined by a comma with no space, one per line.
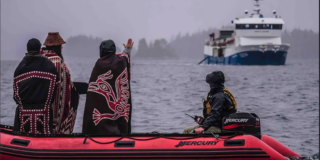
250,58
135,146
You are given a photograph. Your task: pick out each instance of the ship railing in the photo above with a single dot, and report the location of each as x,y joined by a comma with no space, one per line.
267,44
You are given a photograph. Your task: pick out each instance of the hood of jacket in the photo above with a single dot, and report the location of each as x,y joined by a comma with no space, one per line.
107,47
215,80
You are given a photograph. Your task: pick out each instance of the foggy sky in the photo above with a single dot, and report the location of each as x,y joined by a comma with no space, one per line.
122,19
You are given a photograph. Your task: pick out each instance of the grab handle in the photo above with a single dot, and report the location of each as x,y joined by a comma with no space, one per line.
20,142
124,144
235,142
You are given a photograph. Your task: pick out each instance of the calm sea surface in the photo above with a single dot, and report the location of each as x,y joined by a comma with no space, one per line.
286,98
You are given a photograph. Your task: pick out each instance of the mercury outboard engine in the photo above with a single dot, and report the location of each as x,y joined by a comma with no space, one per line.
247,123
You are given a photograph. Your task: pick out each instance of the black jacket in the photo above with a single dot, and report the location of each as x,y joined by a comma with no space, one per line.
219,108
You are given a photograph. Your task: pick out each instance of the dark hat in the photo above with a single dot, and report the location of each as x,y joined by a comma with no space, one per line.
53,39
33,45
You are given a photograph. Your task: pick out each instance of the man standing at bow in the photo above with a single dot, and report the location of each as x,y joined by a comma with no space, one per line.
67,98
108,103
35,82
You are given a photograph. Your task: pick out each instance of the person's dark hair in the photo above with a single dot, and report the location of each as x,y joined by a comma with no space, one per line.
33,46
56,49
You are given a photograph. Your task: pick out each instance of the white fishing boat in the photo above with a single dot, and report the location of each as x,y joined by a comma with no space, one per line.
255,40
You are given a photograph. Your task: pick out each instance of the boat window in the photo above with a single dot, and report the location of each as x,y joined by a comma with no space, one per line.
259,26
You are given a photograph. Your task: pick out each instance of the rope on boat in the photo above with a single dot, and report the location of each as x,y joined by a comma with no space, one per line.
159,136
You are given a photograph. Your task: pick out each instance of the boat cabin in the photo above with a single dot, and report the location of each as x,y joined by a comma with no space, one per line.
225,38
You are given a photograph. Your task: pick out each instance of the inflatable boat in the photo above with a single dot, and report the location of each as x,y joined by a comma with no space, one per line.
228,145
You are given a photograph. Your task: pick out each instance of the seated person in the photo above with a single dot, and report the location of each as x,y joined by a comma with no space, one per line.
220,102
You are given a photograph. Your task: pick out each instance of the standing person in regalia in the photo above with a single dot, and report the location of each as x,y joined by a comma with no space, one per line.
34,86
67,99
108,104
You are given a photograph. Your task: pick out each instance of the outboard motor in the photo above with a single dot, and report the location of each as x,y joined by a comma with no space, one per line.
247,123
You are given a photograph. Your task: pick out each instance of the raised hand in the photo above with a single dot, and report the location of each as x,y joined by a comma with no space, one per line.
129,44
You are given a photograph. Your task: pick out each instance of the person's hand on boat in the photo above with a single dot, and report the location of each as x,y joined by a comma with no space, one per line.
129,44
199,130
199,119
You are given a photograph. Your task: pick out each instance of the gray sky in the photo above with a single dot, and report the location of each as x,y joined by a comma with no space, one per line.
121,19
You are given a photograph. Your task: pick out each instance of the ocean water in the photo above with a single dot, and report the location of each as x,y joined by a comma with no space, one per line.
286,98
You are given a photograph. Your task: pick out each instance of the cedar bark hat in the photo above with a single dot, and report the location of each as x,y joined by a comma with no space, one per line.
54,39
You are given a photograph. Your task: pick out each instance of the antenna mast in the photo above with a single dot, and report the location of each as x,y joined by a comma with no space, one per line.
257,5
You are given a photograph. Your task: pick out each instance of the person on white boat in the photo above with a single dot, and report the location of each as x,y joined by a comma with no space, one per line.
210,42
220,102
